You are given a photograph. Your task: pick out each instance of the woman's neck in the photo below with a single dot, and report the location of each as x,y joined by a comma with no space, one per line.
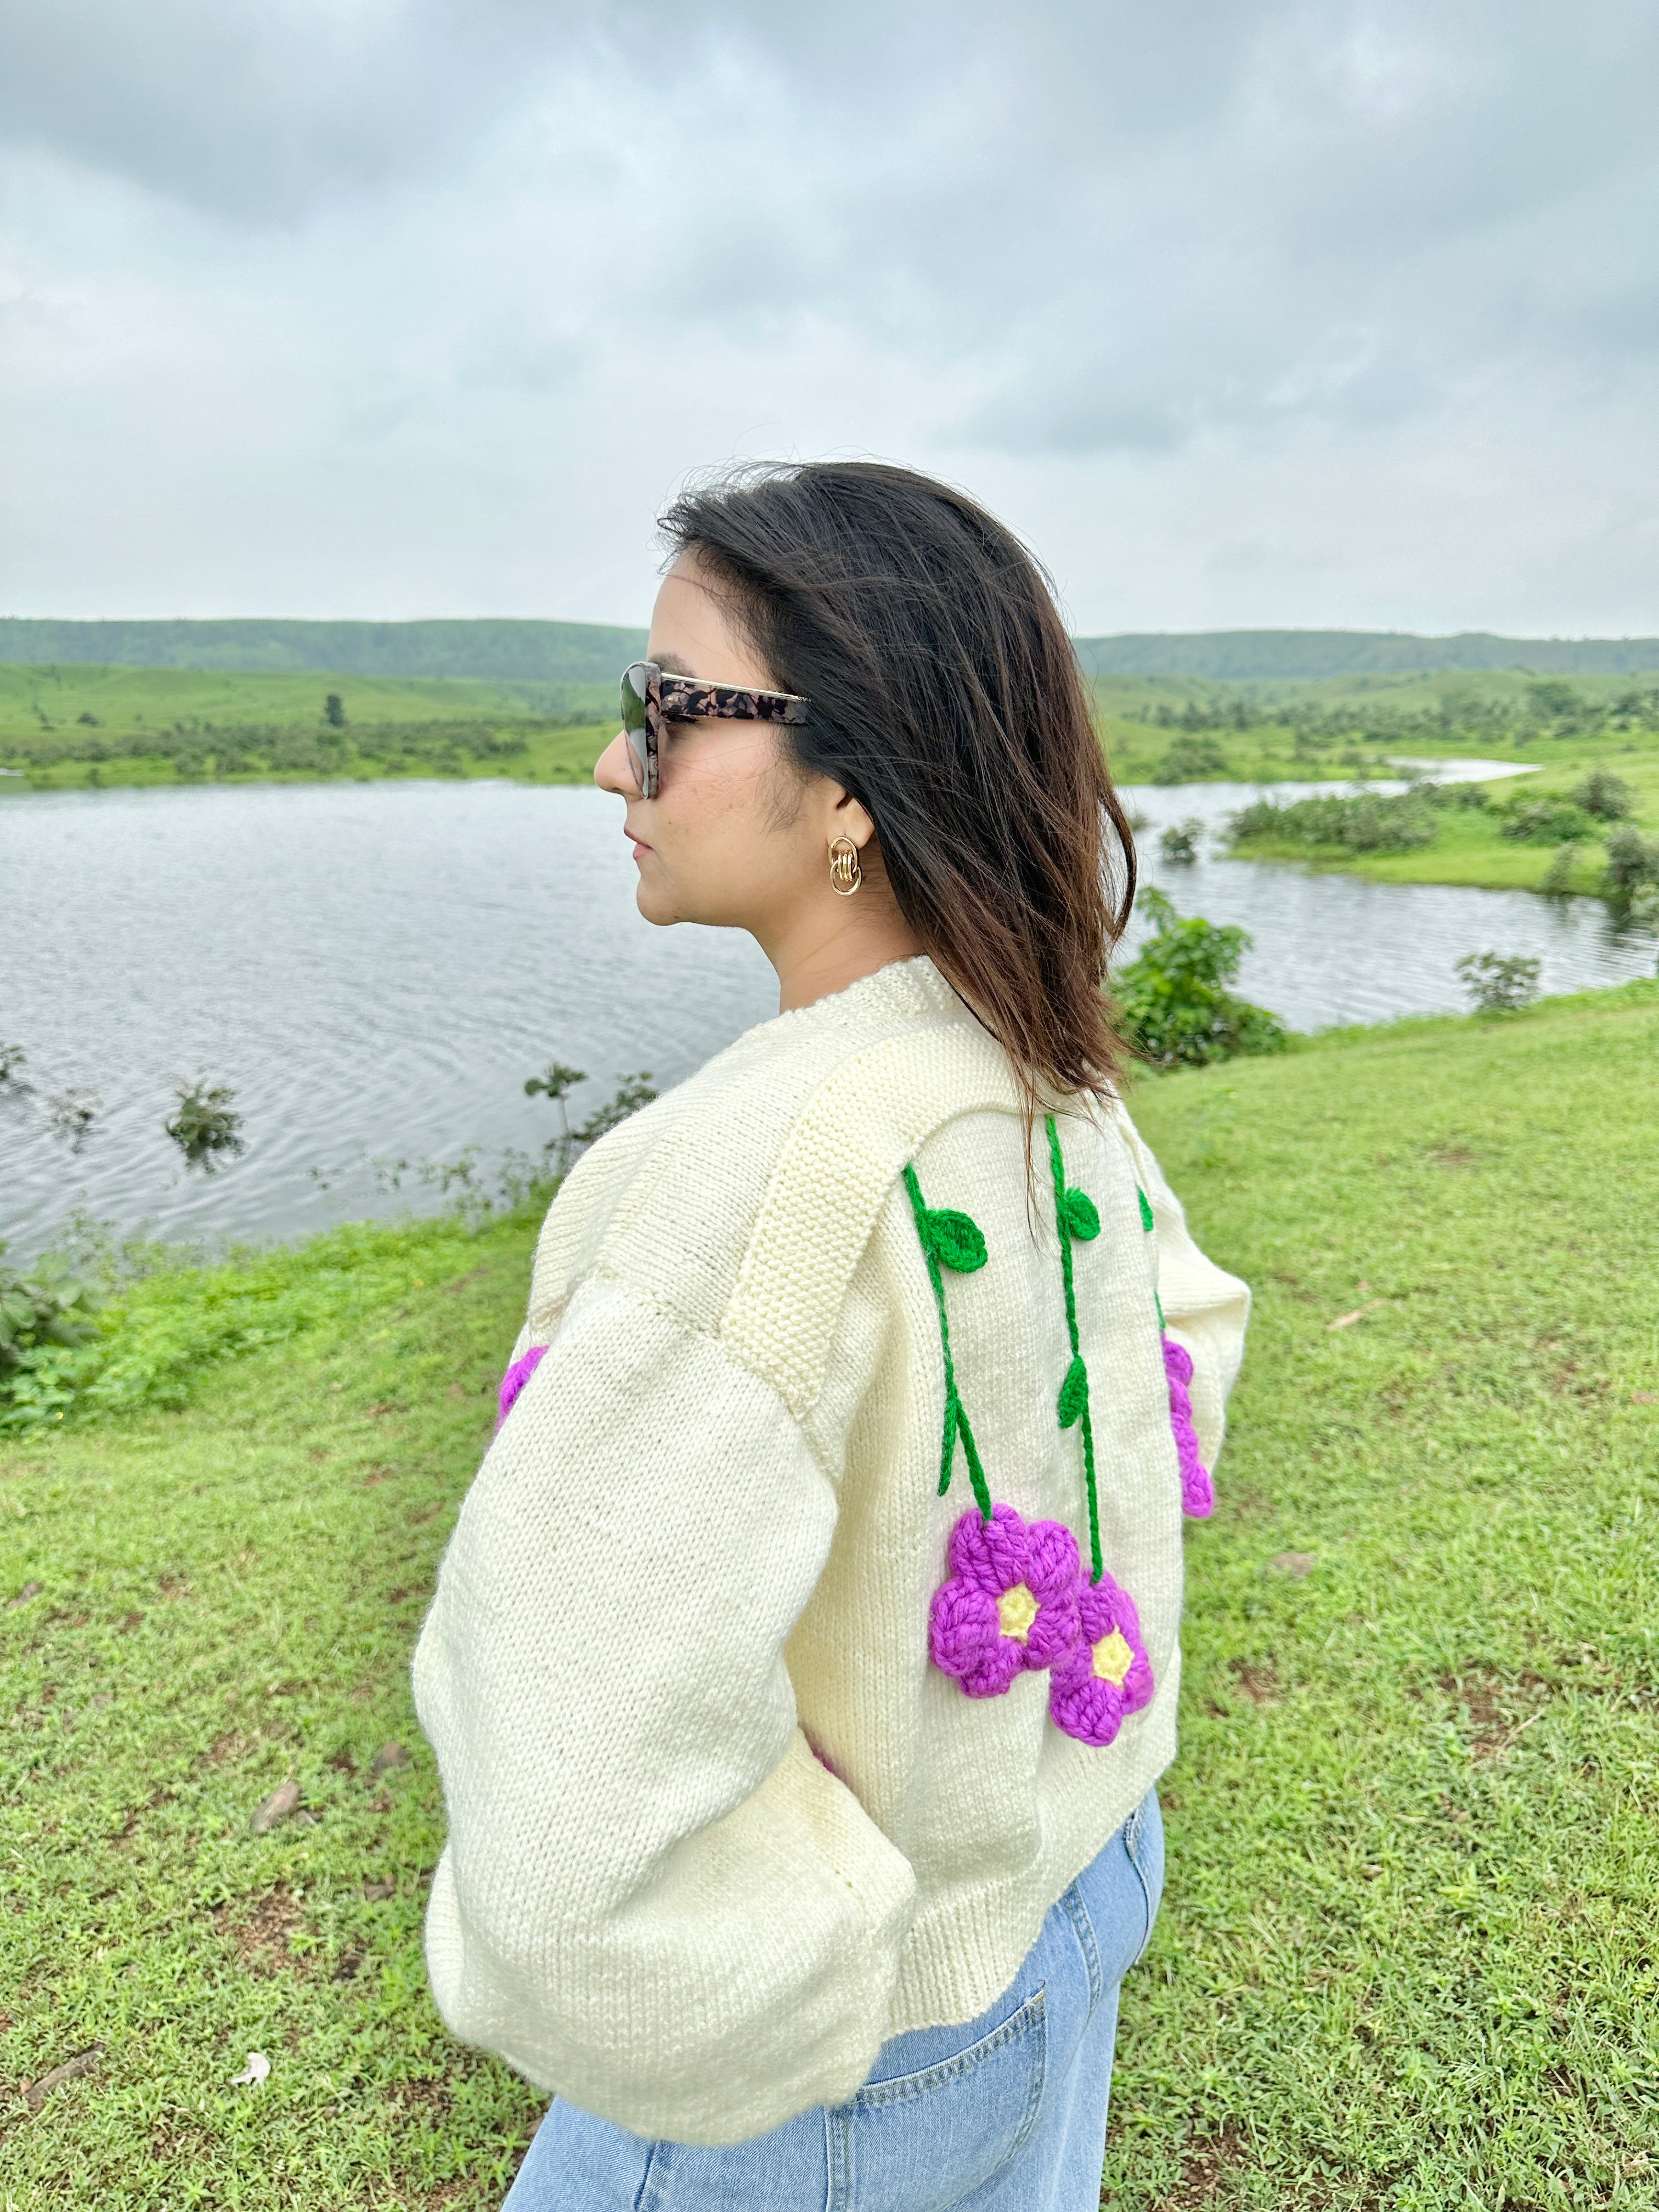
817,954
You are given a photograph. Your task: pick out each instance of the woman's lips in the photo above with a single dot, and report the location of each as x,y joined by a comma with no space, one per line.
640,845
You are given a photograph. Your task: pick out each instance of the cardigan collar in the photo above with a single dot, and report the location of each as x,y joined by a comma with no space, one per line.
904,990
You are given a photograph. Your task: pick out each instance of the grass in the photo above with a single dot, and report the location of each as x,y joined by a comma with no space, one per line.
1405,1956
229,1597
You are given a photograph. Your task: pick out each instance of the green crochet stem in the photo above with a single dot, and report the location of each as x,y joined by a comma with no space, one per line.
1074,1393
956,1413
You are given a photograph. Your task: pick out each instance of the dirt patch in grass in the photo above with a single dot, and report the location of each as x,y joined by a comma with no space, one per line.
1204,2171
226,1749
1498,1709
431,2097
1258,1679
1571,1380
260,1937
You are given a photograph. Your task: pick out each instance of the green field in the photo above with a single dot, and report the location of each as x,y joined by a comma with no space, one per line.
1405,1958
68,726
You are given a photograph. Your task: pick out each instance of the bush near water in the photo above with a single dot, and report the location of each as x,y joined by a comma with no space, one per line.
1173,1003
1368,827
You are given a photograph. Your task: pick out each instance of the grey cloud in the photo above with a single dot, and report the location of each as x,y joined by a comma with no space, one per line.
502,240
267,112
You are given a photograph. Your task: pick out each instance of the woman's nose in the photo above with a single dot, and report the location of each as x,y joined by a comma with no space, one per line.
611,769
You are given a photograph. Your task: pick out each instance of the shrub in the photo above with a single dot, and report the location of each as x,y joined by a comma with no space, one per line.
556,1083
12,1060
1179,843
155,1338
1544,822
633,1091
50,1307
1455,795
1603,793
1633,865
1498,982
1558,876
1556,698
1368,822
72,1113
206,1126
1172,1002
1192,760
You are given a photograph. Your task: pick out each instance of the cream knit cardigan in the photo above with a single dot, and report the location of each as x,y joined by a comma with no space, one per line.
717,1827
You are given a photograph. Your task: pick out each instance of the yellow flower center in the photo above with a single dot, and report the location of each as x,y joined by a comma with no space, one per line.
1016,1610
1112,1659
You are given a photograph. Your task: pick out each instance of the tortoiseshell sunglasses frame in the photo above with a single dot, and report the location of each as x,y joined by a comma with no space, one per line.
650,698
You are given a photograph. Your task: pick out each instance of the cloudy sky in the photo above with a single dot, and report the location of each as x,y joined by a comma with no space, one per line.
1243,312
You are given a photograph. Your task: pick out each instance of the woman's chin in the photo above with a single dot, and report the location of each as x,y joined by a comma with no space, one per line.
655,904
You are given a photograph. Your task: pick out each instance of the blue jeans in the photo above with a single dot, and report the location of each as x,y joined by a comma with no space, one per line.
1006,2114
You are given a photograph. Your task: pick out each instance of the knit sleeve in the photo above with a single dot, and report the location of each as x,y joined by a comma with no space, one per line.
654,1900
1205,1309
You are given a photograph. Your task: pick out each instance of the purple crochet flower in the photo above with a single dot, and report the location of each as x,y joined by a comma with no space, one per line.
1197,1491
1011,1600
1106,1673
515,1378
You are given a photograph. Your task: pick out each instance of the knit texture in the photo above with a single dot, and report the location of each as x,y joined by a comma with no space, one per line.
1076,1216
718,1824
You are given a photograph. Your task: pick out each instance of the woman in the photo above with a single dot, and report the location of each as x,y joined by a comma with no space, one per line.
806,1653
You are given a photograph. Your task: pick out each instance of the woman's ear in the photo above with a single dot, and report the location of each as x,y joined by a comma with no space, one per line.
848,818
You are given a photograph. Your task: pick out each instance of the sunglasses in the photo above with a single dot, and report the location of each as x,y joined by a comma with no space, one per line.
650,699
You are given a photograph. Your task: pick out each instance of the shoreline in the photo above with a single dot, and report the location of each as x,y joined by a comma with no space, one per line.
162,1255
1468,853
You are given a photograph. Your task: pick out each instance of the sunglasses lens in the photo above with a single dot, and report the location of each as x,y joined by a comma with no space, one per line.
633,684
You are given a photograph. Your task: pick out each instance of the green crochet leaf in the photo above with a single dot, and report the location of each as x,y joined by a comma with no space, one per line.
1082,1216
1074,1394
956,1239
1145,1207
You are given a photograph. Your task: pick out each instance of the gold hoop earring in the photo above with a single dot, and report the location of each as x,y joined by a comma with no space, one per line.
845,873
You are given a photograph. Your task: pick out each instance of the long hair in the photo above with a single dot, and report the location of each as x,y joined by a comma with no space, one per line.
944,695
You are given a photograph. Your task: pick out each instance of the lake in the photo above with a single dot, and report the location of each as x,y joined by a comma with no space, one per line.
376,968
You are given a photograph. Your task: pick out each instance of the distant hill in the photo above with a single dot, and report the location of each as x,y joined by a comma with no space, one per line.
584,652
522,651
1241,655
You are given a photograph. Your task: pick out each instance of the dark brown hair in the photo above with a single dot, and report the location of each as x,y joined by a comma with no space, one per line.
944,694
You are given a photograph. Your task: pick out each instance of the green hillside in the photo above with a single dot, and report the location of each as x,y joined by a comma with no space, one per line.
1252,655
579,653
514,652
